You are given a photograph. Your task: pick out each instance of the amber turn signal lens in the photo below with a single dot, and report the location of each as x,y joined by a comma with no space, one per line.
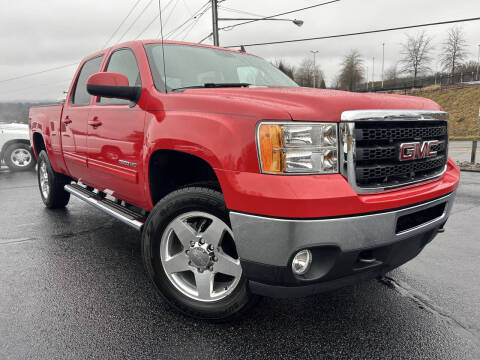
271,143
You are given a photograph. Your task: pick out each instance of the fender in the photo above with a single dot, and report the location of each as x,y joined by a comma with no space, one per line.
222,142
45,121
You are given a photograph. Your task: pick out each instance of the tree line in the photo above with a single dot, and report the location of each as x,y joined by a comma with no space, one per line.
16,112
416,57
307,74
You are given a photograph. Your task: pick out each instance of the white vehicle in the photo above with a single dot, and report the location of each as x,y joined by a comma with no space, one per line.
15,149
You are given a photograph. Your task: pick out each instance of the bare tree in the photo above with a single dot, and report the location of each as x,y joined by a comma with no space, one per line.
468,67
335,84
287,69
351,74
454,50
416,55
392,72
305,73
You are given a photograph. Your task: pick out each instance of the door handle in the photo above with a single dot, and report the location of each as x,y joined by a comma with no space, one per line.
67,120
94,122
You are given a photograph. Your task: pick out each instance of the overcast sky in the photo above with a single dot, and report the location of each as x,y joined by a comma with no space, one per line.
37,35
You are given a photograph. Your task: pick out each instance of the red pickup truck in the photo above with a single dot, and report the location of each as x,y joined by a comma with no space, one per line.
240,182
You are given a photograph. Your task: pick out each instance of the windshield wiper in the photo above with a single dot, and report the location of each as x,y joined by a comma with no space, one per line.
213,85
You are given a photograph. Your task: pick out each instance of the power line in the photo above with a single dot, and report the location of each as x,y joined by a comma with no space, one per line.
171,13
281,14
67,81
189,28
240,11
153,20
76,63
134,21
357,33
195,14
38,72
199,12
264,17
119,26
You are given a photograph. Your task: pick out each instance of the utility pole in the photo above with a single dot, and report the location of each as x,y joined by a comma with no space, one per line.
314,67
216,41
383,62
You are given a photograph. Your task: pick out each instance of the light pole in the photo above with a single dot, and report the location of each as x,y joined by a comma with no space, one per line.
478,60
373,72
314,67
216,19
366,68
383,62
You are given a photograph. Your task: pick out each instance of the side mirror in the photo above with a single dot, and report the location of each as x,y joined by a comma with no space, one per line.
112,85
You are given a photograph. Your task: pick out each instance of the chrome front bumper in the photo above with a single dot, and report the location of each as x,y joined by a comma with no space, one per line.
273,241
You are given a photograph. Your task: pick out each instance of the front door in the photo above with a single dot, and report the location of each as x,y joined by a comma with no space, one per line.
74,121
116,136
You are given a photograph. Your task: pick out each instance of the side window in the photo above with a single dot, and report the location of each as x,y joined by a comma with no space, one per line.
123,61
80,95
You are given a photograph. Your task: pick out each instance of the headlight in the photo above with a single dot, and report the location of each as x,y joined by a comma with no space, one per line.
301,148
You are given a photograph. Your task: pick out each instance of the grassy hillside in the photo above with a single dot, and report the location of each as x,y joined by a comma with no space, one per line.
463,105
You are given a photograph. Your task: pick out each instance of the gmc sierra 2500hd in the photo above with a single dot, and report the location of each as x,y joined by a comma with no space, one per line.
242,183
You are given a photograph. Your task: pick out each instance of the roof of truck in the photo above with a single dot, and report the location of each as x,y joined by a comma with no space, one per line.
157,41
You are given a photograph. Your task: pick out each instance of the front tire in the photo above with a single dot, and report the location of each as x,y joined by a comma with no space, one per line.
19,157
51,184
189,254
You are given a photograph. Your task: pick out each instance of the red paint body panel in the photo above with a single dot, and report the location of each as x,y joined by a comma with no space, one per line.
218,126
320,196
108,79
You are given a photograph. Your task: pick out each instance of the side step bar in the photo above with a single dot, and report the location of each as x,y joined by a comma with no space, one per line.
119,212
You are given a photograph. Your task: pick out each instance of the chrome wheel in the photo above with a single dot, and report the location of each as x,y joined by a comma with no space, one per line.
21,157
199,258
43,177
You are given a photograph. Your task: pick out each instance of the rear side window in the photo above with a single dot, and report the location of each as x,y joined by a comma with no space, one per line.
80,94
123,61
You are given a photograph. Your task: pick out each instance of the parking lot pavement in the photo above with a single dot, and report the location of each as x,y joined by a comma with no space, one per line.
72,286
462,151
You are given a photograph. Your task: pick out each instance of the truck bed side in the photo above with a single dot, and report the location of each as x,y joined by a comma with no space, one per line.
45,134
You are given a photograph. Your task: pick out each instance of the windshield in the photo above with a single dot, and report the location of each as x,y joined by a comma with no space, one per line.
195,66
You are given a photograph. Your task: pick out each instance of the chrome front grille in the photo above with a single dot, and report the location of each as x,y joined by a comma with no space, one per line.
399,132
370,144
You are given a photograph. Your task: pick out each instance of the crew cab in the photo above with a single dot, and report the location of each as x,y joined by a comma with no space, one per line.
15,149
242,183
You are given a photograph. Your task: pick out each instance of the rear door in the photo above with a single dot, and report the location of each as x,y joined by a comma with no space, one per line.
116,136
74,121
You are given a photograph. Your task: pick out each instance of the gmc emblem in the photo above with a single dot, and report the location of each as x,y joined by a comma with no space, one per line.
417,150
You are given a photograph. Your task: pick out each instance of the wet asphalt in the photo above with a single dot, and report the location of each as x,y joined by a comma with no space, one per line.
72,286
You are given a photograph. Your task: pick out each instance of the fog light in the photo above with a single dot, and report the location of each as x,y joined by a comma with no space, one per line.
301,262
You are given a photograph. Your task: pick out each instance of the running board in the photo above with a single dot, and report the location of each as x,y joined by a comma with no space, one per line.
119,212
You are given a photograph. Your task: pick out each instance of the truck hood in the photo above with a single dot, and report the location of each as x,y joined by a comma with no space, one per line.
306,104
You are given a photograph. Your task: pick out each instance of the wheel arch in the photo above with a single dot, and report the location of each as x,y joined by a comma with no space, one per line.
169,170
38,143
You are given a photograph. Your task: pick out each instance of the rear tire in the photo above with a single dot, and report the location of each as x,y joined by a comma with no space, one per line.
19,157
51,184
181,227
